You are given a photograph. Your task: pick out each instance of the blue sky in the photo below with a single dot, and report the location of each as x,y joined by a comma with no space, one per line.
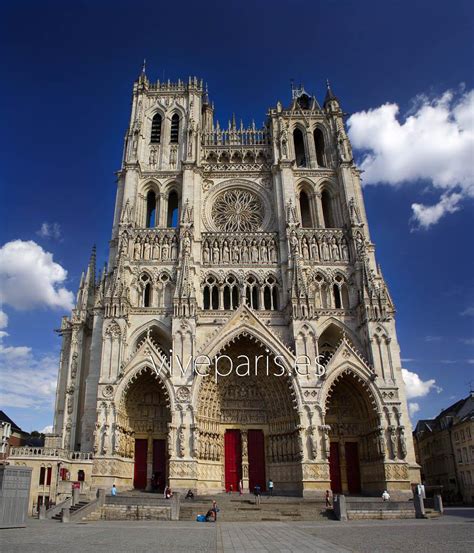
67,72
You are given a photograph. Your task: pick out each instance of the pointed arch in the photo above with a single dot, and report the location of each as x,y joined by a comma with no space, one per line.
320,146
156,126
299,147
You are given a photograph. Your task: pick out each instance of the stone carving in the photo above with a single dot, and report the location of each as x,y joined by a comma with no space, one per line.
183,395
181,441
237,211
108,391
402,441
246,249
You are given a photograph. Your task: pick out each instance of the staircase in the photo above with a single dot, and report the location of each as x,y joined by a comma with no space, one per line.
235,508
77,506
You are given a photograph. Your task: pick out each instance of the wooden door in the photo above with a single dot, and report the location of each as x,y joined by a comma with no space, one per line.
256,452
159,465
139,477
233,459
335,468
352,467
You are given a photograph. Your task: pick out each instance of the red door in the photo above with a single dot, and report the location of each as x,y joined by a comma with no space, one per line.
335,468
159,464
233,459
352,467
139,477
256,449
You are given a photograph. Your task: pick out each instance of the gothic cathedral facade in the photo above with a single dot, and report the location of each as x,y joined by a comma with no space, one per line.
228,242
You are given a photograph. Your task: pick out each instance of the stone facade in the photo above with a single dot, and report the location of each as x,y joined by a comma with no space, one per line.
445,450
231,241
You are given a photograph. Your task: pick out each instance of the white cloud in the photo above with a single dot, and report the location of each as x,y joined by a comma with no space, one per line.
3,319
47,429
50,230
434,143
432,338
413,408
416,387
30,278
467,341
28,381
469,311
424,216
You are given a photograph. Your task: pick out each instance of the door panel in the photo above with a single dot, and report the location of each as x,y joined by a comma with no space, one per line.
139,477
233,459
352,467
159,464
256,451
335,468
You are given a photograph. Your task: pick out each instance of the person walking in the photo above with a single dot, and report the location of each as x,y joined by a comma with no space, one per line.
328,499
270,486
241,487
386,496
257,491
113,491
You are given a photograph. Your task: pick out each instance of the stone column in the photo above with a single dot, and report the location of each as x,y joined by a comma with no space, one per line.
245,461
149,461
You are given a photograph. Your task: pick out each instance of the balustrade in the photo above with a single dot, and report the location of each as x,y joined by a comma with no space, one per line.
49,452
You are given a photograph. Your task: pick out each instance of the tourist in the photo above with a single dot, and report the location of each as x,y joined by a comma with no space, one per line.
189,495
386,496
231,488
212,513
270,486
241,487
257,491
114,490
168,493
328,499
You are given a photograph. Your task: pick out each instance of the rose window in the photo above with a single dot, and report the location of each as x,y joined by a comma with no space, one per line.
237,211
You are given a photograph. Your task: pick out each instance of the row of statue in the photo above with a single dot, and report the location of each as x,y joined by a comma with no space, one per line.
208,446
321,248
284,448
239,251
154,247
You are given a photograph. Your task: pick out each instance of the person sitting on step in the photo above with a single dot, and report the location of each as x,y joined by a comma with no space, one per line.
212,513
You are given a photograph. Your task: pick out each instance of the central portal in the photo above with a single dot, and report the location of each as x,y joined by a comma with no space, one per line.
247,423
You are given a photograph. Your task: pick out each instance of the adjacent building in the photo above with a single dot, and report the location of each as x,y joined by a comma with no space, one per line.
232,241
445,450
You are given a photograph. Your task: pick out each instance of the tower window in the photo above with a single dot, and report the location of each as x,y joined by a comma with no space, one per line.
337,296
174,136
156,129
300,154
173,209
319,145
328,212
151,210
306,219
146,290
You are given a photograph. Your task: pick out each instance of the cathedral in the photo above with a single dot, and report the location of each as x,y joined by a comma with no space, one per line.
242,329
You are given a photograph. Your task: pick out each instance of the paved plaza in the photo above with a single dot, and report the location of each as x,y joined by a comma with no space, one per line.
453,533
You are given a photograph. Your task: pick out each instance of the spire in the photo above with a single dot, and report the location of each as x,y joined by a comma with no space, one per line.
90,274
205,97
329,94
144,66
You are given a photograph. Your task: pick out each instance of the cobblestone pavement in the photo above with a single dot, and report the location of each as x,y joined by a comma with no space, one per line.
453,533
